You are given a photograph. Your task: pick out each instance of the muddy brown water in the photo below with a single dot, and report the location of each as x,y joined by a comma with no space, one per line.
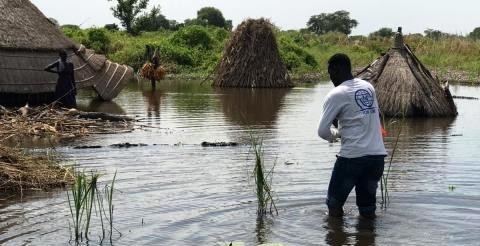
176,192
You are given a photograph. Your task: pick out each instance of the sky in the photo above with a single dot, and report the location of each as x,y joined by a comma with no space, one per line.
415,16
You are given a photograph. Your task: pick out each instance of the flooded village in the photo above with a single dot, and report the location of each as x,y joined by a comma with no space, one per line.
210,131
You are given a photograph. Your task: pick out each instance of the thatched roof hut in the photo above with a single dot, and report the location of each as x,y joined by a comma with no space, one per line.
251,58
29,41
404,85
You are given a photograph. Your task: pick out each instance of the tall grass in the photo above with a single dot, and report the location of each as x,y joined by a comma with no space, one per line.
85,197
263,179
397,126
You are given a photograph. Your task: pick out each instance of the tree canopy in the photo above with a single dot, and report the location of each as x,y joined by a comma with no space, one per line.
338,21
384,32
475,34
127,10
211,16
152,21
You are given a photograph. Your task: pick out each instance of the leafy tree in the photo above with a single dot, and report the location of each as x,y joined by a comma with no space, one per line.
127,10
211,17
435,34
338,21
384,32
152,21
475,34
112,27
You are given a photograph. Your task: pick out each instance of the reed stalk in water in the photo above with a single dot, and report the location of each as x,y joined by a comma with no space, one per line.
263,180
84,198
385,177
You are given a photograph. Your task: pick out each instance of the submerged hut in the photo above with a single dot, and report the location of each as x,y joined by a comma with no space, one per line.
29,41
251,58
404,85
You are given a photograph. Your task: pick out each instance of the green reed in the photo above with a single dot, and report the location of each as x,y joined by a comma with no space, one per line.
85,197
397,126
263,179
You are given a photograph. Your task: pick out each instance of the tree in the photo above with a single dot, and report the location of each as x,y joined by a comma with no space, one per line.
211,16
338,21
111,27
384,32
475,34
435,34
127,10
152,21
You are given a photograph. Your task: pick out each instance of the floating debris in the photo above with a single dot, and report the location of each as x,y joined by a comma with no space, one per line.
218,144
58,122
20,170
127,145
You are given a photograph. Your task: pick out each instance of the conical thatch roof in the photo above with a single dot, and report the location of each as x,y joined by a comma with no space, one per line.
405,87
251,58
29,41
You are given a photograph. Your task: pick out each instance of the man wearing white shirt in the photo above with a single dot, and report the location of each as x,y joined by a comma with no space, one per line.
360,162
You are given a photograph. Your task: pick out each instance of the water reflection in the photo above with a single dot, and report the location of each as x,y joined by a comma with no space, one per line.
262,228
97,105
252,106
337,232
153,100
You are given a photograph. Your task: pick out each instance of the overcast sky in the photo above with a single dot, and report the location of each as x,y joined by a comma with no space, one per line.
452,16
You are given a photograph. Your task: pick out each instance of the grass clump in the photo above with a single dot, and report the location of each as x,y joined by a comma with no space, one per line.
84,198
263,180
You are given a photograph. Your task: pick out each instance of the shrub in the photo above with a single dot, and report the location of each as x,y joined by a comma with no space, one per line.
98,40
193,36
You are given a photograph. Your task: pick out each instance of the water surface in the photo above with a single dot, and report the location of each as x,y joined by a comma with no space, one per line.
176,192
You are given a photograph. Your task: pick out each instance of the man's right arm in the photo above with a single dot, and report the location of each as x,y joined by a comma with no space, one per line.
330,111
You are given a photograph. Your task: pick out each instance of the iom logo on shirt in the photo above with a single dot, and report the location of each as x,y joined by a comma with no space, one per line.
365,100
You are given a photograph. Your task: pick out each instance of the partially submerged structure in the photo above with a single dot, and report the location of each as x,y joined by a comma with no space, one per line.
29,41
251,58
405,87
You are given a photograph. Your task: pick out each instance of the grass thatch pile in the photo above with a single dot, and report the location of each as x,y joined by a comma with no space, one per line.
251,58
20,171
405,88
58,123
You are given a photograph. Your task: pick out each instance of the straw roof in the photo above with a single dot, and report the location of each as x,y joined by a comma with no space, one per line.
405,87
23,26
252,59
29,42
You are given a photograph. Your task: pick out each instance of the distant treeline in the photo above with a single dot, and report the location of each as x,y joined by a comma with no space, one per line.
195,46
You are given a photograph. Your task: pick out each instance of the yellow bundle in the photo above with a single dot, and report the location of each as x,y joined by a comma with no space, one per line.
149,72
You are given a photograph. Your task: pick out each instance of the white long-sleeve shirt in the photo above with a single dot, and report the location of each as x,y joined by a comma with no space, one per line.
354,104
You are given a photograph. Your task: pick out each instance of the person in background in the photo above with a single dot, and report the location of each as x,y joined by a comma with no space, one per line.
65,89
360,162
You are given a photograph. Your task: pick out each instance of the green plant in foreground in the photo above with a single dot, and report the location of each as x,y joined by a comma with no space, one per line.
84,198
263,180
385,176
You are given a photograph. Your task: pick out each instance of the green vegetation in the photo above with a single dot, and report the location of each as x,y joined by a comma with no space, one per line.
83,198
338,21
195,50
263,180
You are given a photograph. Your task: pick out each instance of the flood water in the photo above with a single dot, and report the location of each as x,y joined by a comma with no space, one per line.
176,192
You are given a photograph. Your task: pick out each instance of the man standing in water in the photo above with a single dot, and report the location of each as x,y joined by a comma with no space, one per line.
360,161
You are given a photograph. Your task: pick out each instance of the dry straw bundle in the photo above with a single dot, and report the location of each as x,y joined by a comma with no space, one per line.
148,71
23,171
251,58
59,123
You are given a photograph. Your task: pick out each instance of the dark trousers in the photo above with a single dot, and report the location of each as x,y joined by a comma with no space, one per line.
363,173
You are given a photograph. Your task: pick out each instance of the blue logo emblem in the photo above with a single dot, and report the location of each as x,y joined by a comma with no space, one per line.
364,99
